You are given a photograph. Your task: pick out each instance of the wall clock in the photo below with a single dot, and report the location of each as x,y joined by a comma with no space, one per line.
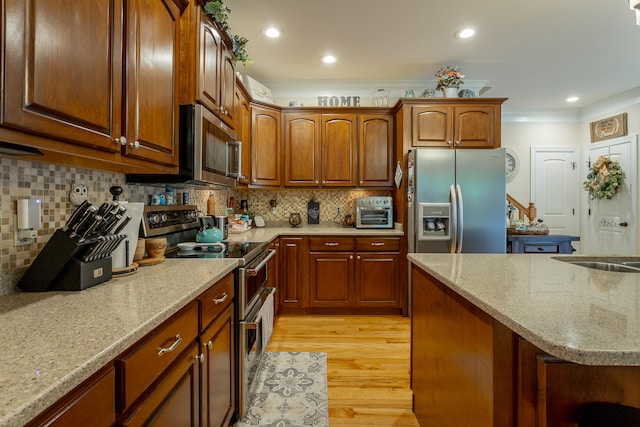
512,164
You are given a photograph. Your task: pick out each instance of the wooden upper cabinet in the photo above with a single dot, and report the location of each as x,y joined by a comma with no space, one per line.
216,73
339,155
302,149
63,70
457,124
265,146
375,148
153,65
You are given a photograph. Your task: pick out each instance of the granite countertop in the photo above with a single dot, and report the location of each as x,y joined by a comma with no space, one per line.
272,231
575,313
52,341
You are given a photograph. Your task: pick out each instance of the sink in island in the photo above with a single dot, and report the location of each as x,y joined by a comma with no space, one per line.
526,340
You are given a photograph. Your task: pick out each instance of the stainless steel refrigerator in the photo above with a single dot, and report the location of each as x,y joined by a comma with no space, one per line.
457,200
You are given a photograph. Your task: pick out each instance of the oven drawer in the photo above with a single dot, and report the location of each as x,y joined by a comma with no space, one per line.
214,300
378,244
333,244
146,362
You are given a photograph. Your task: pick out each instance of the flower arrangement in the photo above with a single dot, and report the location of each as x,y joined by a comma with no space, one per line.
604,179
449,77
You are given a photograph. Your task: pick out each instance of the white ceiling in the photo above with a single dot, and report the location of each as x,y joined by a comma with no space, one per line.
536,53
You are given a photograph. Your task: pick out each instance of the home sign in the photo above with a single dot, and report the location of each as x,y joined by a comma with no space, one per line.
338,101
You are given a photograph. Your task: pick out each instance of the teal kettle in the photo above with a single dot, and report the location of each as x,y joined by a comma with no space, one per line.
209,235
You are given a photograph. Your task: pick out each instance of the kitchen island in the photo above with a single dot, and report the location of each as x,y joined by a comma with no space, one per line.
520,339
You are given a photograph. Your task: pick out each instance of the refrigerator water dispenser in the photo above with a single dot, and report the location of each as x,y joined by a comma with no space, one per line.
435,221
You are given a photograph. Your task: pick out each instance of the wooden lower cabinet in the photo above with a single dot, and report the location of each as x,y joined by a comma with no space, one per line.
92,403
218,371
175,400
354,272
461,357
293,277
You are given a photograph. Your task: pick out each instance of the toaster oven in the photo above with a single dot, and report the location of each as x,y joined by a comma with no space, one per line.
374,212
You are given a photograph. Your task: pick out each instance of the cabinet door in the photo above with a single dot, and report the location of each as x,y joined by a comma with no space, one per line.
293,275
243,130
377,276
475,126
218,371
265,146
302,149
209,64
62,70
331,279
92,403
339,150
153,64
431,126
228,86
175,400
375,166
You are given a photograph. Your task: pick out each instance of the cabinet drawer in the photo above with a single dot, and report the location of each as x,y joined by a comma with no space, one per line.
378,244
324,244
215,299
144,364
542,249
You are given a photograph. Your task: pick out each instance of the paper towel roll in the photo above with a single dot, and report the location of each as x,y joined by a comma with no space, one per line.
135,210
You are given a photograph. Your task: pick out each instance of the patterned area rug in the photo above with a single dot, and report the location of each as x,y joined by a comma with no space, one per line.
290,392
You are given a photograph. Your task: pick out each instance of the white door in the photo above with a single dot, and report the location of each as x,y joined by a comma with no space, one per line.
555,188
610,225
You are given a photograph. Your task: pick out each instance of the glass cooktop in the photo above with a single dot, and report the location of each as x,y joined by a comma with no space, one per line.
241,250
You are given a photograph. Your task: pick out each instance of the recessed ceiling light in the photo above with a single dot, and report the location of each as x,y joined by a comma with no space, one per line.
465,34
329,59
272,32
572,99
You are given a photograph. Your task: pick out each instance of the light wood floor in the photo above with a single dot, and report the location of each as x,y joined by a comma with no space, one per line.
368,360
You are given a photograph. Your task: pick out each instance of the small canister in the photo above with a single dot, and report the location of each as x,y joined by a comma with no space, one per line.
171,196
186,198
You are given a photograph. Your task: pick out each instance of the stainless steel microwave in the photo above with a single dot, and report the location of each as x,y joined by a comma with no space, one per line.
209,152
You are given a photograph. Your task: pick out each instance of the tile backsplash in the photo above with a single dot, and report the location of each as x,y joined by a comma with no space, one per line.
52,184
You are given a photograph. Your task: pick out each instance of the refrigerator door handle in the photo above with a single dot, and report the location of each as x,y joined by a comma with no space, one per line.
460,205
453,226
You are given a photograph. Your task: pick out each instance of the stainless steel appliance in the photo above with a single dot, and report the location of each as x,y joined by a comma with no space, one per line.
374,212
457,200
254,299
209,152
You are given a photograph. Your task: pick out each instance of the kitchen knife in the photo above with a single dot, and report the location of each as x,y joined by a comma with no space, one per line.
122,225
97,220
76,215
84,222
94,249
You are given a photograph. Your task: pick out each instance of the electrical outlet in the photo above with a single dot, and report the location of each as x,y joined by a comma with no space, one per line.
337,211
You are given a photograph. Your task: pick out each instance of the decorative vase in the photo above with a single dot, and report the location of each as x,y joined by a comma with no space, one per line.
295,219
450,92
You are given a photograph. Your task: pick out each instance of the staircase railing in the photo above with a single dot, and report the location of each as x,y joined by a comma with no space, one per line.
531,212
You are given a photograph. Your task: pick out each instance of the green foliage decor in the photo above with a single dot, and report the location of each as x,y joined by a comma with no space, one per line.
604,179
220,13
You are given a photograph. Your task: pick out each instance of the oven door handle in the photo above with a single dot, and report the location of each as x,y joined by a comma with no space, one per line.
254,323
254,271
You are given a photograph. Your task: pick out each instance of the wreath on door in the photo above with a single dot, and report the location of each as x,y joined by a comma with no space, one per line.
604,179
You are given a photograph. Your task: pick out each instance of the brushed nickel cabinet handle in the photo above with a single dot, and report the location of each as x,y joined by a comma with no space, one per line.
377,243
220,300
177,340
331,244
200,357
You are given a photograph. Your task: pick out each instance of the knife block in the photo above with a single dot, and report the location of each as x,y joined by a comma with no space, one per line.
78,275
52,262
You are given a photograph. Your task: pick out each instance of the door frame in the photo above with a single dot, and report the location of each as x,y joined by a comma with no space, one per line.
534,150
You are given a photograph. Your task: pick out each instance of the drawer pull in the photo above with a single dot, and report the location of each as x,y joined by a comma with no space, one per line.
377,244
200,357
177,340
331,244
220,300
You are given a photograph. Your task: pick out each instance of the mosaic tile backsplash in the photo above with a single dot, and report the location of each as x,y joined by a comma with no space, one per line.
52,184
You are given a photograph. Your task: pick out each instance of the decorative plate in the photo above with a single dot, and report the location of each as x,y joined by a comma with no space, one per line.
512,164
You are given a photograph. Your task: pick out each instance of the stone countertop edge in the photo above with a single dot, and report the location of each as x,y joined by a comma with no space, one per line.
53,341
525,294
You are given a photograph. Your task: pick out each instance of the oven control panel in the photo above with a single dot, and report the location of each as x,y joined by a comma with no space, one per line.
158,220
